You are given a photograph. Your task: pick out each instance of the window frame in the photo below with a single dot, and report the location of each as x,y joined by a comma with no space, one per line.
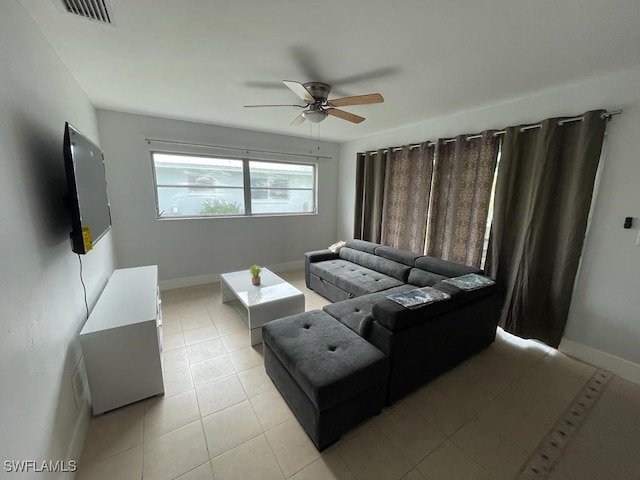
246,187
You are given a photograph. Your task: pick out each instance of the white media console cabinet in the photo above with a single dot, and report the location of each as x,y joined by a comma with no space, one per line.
122,340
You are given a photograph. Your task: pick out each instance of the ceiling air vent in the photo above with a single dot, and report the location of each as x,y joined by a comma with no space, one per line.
96,10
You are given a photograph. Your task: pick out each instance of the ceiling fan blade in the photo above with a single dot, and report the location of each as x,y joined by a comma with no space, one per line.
298,120
344,115
256,106
357,100
299,90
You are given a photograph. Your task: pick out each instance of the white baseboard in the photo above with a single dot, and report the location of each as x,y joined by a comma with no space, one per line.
215,277
79,436
188,281
617,365
283,267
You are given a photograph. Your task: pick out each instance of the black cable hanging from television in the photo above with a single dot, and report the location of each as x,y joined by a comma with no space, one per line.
84,287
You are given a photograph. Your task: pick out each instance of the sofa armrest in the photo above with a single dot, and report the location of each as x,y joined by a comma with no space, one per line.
320,256
316,256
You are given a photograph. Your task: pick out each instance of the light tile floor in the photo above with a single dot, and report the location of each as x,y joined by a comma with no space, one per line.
222,418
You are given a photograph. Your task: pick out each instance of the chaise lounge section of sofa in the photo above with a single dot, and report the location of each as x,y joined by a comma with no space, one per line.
417,343
422,342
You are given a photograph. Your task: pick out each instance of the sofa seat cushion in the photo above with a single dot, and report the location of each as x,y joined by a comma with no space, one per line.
328,361
350,312
353,278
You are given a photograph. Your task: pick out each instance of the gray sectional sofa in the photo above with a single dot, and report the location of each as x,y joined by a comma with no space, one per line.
323,362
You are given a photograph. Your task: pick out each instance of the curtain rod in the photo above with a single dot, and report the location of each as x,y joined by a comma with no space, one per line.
246,150
606,115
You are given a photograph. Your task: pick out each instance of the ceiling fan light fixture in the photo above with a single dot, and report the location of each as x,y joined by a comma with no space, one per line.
314,116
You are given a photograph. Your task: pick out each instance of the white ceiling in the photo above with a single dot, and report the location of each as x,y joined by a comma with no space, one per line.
202,60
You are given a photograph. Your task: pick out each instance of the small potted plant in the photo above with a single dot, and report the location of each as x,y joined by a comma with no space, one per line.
255,274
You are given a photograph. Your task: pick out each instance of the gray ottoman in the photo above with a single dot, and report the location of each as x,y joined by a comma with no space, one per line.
331,378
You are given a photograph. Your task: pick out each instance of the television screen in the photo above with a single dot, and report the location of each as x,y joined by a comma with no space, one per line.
87,190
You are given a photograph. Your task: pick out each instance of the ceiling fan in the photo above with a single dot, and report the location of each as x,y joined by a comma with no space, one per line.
318,106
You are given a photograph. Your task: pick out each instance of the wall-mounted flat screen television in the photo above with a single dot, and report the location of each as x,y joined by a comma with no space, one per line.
87,190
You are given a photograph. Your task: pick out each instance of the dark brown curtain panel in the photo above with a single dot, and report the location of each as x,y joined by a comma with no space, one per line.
462,180
407,191
543,196
370,172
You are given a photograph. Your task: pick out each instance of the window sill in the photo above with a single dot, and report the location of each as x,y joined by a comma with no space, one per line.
216,217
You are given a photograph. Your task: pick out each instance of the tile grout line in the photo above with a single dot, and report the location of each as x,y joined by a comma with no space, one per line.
544,458
144,419
202,427
266,438
395,444
206,442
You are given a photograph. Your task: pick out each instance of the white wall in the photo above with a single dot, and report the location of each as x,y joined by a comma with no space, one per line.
41,299
605,312
191,251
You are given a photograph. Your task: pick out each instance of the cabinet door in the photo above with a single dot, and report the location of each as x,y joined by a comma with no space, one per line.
124,365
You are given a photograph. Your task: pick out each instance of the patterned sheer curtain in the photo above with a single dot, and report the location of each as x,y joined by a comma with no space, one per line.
370,180
406,199
461,192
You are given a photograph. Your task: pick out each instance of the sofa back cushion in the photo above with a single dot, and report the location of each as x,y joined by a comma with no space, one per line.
395,317
444,267
401,256
373,262
460,297
422,278
362,245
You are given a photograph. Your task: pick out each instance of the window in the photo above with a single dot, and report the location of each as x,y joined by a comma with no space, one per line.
201,186
281,187
487,230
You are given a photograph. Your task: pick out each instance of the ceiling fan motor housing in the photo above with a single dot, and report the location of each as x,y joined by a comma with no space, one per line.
318,90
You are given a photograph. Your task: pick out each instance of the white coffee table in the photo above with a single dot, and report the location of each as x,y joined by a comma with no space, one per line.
257,305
